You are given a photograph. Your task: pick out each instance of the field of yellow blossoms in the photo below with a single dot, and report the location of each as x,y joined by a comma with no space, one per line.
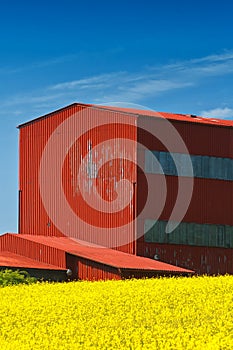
165,313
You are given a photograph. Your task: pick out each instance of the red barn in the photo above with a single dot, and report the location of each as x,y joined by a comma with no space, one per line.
102,189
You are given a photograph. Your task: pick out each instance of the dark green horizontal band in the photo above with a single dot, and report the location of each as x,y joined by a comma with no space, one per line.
157,162
189,234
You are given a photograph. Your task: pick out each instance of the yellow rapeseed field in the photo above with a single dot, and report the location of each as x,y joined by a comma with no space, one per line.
165,313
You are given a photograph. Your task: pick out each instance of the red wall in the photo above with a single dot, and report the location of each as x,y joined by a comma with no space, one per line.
202,260
211,202
34,250
93,271
33,218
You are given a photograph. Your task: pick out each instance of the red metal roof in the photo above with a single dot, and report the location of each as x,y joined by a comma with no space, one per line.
171,116
104,255
8,259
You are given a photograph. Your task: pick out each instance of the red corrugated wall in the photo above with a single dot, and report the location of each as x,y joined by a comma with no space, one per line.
212,200
33,218
93,271
37,251
212,140
33,137
202,260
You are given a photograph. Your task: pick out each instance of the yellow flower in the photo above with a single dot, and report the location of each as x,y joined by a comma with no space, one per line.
165,313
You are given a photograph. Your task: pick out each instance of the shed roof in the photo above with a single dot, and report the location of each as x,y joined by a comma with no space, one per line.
104,255
9,259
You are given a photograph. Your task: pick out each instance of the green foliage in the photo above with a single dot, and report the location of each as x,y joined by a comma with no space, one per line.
9,278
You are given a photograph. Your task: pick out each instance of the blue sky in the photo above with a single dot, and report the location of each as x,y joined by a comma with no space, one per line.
174,56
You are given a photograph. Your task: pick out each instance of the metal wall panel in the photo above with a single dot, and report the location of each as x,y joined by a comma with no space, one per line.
211,202
93,271
200,139
202,260
36,251
34,136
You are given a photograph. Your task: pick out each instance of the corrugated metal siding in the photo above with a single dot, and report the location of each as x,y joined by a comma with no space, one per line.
33,138
211,203
202,260
210,140
93,271
101,255
200,139
212,200
37,251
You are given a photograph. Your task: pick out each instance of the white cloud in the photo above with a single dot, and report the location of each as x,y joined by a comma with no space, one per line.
131,86
152,80
153,86
215,58
220,113
140,89
200,68
87,82
121,86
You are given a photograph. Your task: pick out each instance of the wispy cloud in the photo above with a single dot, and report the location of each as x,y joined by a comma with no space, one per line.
88,82
226,55
220,113
200,68
121,85
142,89
104,87
132,87
153,86
152,80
